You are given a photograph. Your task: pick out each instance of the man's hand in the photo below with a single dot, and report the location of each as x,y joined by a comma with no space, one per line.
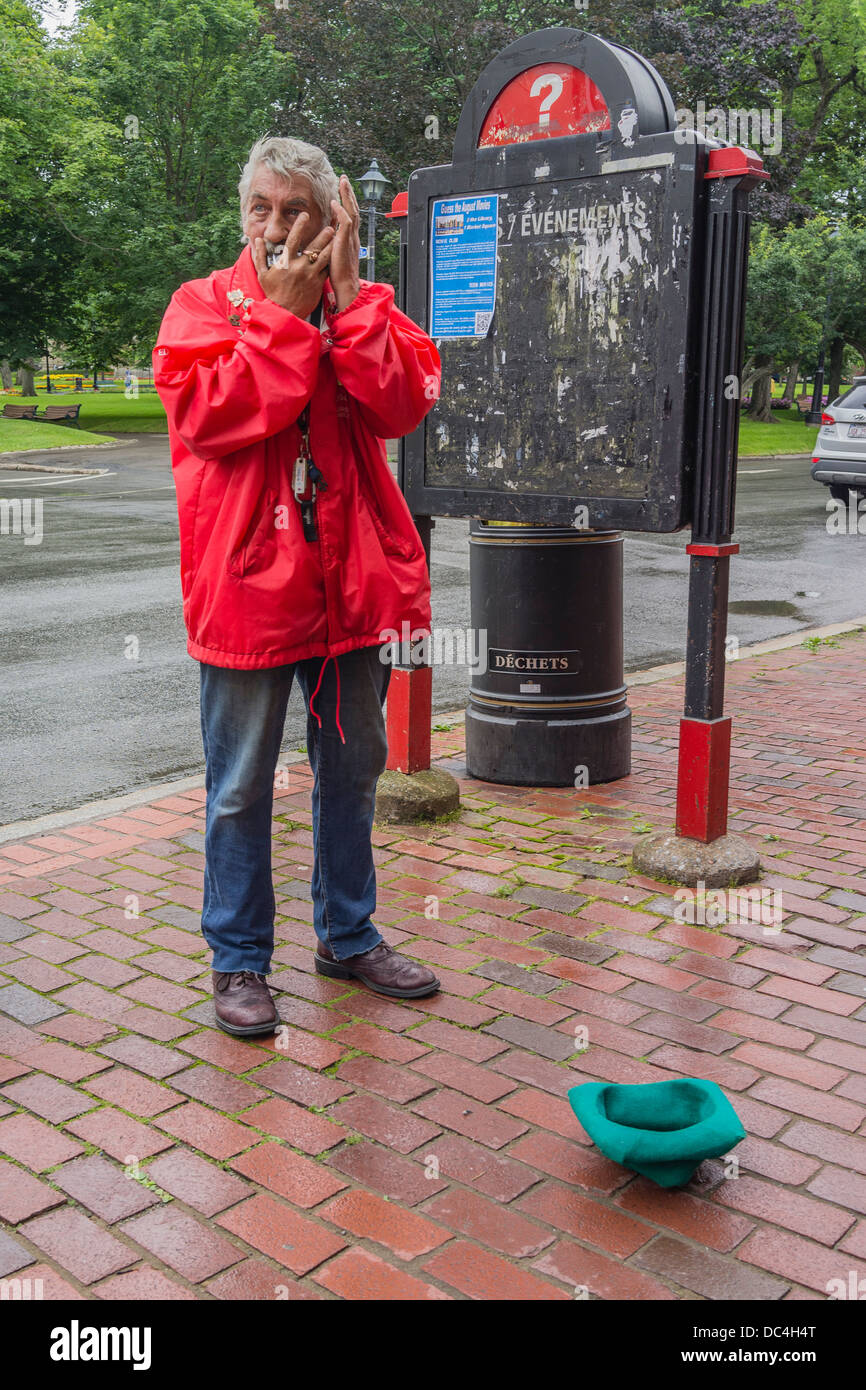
345,253
294,281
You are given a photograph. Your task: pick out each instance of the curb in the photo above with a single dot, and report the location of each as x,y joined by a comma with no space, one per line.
63,472
10,460
747,458
772,644
91,810
112,805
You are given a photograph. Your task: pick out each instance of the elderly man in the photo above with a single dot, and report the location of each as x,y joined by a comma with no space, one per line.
281,376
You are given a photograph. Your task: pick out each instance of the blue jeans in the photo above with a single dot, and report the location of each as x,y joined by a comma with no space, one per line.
242,718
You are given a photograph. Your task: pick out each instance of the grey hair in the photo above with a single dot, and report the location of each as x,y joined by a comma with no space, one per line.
288,157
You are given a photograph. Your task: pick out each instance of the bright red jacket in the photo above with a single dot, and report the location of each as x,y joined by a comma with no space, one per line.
256,593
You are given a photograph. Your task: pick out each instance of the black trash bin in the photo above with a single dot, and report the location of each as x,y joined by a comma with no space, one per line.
550,708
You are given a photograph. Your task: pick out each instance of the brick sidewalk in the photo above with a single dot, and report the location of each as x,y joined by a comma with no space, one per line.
377,1150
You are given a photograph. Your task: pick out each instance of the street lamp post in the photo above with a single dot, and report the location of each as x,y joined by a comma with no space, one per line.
816,410
373,185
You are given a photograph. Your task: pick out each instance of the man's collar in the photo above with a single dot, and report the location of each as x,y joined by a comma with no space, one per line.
245,277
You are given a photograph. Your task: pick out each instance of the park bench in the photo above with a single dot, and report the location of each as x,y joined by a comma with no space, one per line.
804,404
19,412
59,413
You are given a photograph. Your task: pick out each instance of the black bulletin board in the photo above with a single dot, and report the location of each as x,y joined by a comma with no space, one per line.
578,407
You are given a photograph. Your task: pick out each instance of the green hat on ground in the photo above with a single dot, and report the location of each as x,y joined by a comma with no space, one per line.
662,1129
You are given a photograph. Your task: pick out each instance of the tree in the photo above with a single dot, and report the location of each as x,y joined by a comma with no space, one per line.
804,58
806,285
37,259
781,309
826,104
387,79
174,93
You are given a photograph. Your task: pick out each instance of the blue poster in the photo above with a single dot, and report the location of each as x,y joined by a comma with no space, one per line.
464,233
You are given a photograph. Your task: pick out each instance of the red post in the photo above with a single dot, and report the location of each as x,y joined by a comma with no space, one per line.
409,707
702,778
703,772
408,713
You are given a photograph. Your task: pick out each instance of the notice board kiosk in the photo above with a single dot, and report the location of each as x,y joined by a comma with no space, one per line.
581,266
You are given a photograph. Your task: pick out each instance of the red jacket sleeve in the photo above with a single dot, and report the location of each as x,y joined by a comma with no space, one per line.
222,392
385,361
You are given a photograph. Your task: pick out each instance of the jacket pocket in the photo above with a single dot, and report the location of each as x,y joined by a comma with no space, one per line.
386,507
391,544
255,548
393,538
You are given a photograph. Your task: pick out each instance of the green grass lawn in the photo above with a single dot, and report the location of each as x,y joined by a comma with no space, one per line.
33,434
103,412
788,434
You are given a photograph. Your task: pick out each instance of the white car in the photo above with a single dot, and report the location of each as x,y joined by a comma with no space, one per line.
839,457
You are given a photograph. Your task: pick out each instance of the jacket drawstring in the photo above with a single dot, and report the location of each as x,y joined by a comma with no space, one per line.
316,691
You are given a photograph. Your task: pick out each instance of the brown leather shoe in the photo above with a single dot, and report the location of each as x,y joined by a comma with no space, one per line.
383,969
243,1003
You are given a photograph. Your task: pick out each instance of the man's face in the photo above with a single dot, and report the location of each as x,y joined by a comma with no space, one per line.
273,206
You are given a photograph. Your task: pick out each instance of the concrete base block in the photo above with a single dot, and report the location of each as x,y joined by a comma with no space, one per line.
404,797
722,863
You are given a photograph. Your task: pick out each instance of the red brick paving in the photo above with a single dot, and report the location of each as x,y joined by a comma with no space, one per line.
382,1150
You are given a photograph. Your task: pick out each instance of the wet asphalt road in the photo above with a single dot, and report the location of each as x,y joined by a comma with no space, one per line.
79,720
